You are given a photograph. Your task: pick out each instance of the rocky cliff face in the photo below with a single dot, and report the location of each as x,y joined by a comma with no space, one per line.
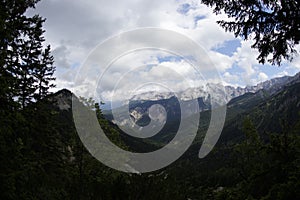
62,99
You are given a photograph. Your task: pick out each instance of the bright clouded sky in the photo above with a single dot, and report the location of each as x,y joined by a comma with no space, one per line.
75,28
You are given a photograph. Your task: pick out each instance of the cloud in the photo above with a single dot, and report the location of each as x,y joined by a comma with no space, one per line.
281,74
168,76
221,61
61,54
230,79
262,77
75,28
296,62
245,57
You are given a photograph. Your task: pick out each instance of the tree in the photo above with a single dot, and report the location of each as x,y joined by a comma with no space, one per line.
26,67
273,25
267,168
26,72
44,76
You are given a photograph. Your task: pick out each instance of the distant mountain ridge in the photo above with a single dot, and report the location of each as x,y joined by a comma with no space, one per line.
278,100
271,86
139,104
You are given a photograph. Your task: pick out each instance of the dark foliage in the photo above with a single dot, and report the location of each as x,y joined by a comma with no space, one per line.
273,25
26,67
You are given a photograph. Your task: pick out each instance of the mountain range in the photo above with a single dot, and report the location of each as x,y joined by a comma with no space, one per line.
272,86
267,103
139,104
261,160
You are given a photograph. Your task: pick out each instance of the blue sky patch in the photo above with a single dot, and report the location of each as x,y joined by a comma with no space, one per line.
228,47
169,59
199,17
184,8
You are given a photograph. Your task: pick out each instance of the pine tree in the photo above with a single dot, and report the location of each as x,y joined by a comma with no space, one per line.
26,75
26,67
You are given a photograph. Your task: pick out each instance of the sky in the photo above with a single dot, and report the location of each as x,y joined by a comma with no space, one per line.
75,29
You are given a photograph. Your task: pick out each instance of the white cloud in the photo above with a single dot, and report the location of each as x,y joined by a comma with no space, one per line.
230,79
61,54
281,74
245,57
262,77
296,62
221,61
75,28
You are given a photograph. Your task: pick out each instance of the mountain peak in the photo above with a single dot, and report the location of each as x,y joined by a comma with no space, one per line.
62,99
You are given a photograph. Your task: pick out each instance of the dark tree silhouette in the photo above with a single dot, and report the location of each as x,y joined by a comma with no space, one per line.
26,67
26,136
274,25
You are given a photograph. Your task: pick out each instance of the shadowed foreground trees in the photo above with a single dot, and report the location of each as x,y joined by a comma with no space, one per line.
267,168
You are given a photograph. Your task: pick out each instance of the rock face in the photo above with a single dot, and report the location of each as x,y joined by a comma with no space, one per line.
62,99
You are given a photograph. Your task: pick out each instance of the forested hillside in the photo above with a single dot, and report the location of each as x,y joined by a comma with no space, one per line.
44,157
